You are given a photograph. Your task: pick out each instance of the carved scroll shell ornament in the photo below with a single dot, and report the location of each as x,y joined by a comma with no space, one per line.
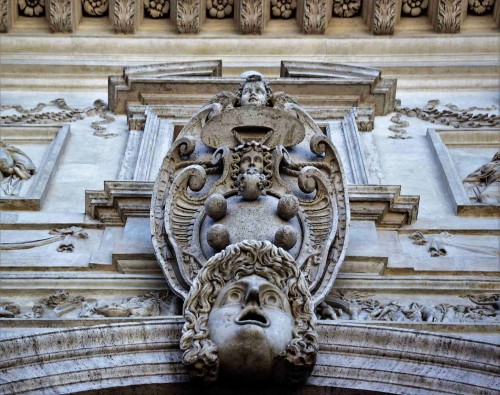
229,178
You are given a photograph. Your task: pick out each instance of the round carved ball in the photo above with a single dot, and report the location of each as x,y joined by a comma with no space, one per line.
288,207
216,206
218,237
285,237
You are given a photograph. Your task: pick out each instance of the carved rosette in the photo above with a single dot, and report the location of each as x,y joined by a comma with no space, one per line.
314,16
346,8
480,7
95,7
283,8
251,16
384,17
31,7
414,7
188,16
124,16
219,8
156,8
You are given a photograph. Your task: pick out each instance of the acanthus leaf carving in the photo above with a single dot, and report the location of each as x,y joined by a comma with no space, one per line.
314,16
124,16
384,17
4,16
188,16
60,18
448,16
252,16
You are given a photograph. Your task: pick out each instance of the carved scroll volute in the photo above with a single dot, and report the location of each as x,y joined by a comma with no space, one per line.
314,15
188,15
6,11
126,15
381,16
252,16
63,15
447,15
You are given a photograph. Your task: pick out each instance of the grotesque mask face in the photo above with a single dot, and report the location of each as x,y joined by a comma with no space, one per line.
251,323
252,159
254,94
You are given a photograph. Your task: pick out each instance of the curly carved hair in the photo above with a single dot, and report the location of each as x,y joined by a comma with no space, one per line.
243,259
242,149
255,78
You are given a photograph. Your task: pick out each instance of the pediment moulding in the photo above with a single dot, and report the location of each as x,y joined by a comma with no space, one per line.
384,204
249,16
147,354
313,84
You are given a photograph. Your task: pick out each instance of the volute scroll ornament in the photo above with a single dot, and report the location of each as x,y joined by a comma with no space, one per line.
249,218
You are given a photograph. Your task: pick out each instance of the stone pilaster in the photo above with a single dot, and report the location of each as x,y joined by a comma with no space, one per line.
447,15
252,15
125,15
314,15
381,16
188,15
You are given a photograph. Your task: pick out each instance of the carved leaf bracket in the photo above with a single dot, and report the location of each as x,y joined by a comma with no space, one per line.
314,15
63,15
447,15
126,15
189,15
381,16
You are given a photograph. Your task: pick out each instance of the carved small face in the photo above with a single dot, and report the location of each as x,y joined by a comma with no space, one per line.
252,159
254,94
251,323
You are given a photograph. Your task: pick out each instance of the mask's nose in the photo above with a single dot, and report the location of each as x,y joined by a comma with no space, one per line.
252,296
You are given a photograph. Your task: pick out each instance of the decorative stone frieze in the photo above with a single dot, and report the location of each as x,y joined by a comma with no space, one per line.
358,306
95,7
252,15
346,8
314,15
446,16
125,15
381,16
63,15
156,8
189,15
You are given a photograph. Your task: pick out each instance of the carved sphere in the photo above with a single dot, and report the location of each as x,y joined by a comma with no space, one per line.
285,237
218,237
216,206
288,207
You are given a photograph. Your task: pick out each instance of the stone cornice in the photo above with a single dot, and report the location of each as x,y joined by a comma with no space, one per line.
127,199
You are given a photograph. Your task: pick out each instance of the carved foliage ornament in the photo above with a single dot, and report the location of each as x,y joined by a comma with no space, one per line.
252,16
4,16
480,7
449,16
124,16
283,8
384,16
249,219
188,16
314,16
31,7
60,16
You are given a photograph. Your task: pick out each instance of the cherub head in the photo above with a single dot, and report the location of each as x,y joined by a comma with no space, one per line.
254,91
249,316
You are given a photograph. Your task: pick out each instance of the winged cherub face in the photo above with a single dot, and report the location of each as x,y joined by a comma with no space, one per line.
251,323
254,94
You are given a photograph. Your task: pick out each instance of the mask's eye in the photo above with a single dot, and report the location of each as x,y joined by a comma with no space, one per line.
272,299
234,296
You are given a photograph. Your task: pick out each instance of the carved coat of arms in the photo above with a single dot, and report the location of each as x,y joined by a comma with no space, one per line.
249,219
